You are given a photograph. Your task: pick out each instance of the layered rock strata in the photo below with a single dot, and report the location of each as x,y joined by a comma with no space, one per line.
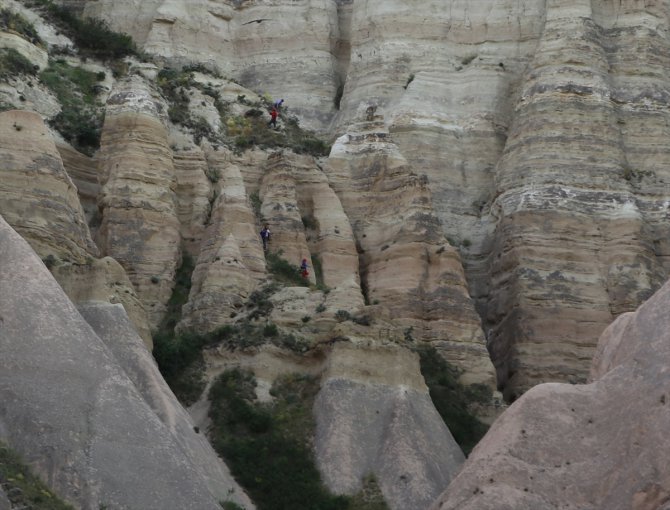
194,192
83,171
571,236
284,49
567,446
59,376
370,400
140,226
390,209
280,207
38,197
104,280
230,262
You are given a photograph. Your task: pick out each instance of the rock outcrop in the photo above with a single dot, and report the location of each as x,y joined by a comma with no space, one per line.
284,49
58,376
38,197
374,416
140,226
600,445
406,263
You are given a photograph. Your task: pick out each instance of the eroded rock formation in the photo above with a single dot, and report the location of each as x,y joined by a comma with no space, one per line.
565,446
58,375
405,260
140,226
369,402
38,198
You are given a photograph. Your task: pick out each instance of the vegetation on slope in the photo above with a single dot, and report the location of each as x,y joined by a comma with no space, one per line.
80,120
24,489
267,446
239,132
11,21
93,37
452,399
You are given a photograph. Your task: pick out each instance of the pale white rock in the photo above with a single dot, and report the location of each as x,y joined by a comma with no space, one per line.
38,56
583,446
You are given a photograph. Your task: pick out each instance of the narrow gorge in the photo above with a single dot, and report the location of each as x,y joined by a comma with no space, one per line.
480,190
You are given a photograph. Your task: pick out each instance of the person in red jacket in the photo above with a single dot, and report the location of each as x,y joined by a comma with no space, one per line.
273,117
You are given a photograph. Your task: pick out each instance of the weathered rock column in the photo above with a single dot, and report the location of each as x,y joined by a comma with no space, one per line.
139,226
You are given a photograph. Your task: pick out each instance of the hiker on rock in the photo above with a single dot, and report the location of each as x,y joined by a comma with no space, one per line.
265,236
273,117
278,104
303,269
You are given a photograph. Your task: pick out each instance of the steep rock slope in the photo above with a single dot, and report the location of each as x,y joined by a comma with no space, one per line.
369,400
563,446
40,201
39,198
405,260
490,105
59,376
572,237
140,226
284,48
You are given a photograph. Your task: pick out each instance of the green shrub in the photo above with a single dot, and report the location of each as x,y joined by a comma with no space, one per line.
80,120
256,203
452,399
284,271
24,489
266,445
342,315
259,301
14,22
12,63
92,36
180,292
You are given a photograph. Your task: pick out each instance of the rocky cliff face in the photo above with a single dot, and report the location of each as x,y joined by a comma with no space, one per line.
494,106
496,189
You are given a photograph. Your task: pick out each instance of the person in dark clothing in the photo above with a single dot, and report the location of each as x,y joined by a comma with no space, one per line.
265,236
273,117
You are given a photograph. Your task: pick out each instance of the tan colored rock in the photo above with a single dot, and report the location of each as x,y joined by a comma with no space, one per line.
230,263
140,228
284,48
194,192
406,263
570,243
601,445
38,198
83,170
104,280
280,209
374,415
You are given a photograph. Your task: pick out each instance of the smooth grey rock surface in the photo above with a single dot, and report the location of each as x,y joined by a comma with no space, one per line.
113,326
70,410
4,502
374,416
